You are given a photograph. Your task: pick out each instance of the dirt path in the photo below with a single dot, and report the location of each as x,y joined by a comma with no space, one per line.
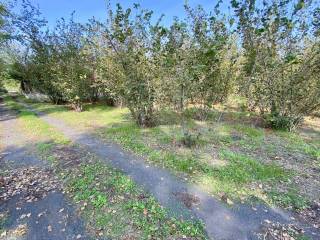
32,205
240,222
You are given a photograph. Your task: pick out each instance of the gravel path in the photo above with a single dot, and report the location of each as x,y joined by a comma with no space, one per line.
222,223
30,216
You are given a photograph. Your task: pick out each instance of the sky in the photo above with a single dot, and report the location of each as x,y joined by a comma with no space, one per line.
85,9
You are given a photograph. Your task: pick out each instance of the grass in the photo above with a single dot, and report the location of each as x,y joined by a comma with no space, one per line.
232,178
295,142
11,84
242,169
93,116
289,198
239,147
33,126
112,203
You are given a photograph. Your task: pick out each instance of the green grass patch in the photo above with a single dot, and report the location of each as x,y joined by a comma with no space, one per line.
161,147
242,169
232,178
116,206
44,148
289,199
130,137
34,126
296,143
252,132
93,116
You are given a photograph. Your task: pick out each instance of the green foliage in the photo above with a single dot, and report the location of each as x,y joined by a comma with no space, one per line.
279,122
118,206
135,60
290,198
242,169
131,59
5,33
281,60
189,140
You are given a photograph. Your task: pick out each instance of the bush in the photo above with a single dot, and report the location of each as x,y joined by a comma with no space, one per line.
280,81
282,122
190,140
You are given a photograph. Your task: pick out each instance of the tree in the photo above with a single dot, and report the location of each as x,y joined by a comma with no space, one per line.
26,29
213,66
131,47
5,35
5,30
279,73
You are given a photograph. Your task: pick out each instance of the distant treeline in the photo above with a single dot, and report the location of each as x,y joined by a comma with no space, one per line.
267,52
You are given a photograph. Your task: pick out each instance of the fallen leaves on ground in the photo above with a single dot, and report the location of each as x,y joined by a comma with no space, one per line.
278,231
16,233
312,214
187,199
31,184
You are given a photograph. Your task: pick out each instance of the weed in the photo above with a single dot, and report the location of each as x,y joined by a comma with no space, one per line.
99,200
242,169
289,199
295,142
44,147
118,206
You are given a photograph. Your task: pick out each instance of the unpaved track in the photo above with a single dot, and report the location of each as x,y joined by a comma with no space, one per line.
51,217
222,223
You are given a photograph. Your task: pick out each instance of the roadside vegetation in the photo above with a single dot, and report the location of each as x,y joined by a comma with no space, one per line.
117,207
241,161
267,54
229,102
113,205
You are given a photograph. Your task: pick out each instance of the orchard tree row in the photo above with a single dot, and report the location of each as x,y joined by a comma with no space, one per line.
265,51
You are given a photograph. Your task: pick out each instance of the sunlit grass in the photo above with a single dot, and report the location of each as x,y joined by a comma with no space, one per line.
93,116
162,147
11,85
232,178
115,206
295,142
35,128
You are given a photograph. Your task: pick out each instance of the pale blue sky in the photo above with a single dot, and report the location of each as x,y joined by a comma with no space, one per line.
85,9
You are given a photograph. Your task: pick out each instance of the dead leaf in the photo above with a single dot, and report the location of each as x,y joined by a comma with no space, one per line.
145,212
